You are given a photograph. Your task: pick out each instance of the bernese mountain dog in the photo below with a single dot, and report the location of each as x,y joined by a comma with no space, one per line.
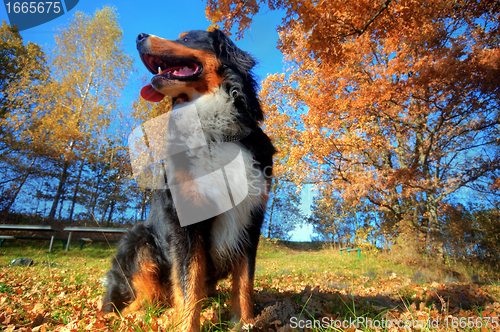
179,263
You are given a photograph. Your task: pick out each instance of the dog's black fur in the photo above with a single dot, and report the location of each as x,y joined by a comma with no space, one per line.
159,259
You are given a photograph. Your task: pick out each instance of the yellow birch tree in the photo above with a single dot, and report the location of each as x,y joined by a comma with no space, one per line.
88,71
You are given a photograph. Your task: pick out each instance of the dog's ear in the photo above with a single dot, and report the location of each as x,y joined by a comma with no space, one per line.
238,82
229,54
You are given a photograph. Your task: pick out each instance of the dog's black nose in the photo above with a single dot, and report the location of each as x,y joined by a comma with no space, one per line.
141,37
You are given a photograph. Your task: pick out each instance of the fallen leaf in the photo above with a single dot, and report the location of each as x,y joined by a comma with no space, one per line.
37,321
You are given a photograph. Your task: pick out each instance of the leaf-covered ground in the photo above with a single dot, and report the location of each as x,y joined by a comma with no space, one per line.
298,288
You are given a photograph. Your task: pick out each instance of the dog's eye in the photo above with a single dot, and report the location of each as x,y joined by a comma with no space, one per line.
185,40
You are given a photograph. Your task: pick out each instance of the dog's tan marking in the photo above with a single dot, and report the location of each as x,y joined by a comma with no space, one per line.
242,292
147,286
177,293
188,305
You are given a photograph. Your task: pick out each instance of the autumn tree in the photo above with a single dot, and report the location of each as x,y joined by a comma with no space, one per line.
24,72
330,218
23,69
473,231
88,72
392,102
343,223
284,209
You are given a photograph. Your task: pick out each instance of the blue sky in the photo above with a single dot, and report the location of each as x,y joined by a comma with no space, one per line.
168,19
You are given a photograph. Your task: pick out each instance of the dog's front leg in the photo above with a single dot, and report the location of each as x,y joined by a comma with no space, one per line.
188,280
242,292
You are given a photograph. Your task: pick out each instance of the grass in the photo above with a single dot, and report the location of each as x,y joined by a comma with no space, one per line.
293,282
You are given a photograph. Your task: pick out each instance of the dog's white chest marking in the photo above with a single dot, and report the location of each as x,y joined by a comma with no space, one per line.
221,173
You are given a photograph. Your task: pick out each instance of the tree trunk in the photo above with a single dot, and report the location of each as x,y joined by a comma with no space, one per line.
435,237
272,209
144,204
63,197
356,228
60,187
111,212
94,197
104,211
23,181
111,203
77,187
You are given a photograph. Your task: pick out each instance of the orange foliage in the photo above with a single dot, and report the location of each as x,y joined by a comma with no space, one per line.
394,102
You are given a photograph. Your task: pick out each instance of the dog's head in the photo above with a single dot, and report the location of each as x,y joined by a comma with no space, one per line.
198,63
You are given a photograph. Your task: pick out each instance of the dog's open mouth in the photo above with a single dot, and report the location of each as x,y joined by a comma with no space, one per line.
167,69
172,69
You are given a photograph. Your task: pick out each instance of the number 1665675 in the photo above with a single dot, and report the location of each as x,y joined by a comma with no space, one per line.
472,322
33,7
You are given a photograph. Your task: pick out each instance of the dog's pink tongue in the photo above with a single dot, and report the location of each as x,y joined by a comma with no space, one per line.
150,94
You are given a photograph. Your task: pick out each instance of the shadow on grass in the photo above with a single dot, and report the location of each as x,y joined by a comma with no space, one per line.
277,309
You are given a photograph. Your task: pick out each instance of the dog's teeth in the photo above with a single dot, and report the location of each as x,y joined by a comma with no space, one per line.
159,70
185,68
